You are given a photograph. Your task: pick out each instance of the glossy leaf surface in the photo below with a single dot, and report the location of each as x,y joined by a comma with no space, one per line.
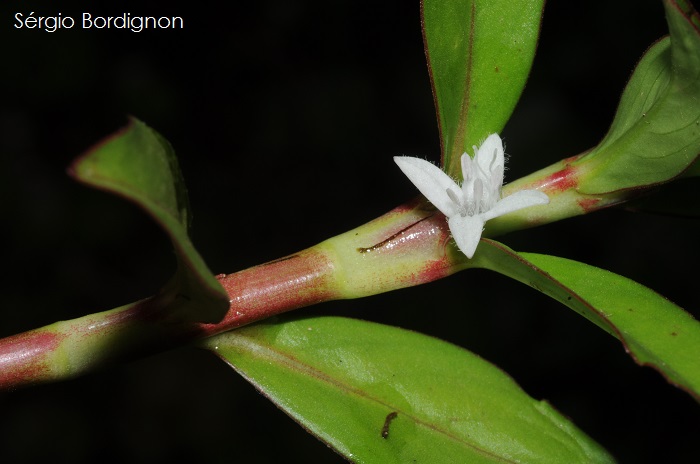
479,56
139,165
655,135
379,394
656,332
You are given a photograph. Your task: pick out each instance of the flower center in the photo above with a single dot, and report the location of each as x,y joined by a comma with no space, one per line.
469,201
481,189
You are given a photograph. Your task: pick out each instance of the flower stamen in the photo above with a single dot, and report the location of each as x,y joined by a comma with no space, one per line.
479,198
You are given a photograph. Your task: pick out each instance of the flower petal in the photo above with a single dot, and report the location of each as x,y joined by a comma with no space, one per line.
518,200
466,230
431,181
484,155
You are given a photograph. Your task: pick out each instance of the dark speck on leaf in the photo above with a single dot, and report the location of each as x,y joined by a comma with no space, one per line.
387,422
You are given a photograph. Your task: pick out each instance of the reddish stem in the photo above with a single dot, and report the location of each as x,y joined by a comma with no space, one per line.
408,246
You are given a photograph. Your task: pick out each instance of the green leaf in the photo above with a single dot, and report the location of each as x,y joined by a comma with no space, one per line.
653,330
655,135
479,56
140,165
379,394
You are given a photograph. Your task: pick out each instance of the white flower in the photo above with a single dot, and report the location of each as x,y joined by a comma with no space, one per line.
468,207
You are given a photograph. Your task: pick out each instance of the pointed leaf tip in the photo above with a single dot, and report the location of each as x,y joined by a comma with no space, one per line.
139,165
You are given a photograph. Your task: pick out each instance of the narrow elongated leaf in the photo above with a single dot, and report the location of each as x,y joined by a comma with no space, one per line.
656,132
140,165
479,55
653,330
378,394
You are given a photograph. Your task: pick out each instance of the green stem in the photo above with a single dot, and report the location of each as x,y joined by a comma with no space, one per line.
408,246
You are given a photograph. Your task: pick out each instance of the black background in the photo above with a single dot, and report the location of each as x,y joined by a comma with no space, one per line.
285,116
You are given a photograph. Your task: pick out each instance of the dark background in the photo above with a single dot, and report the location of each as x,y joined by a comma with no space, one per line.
285,116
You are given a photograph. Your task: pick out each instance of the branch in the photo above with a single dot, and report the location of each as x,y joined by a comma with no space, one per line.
407,246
